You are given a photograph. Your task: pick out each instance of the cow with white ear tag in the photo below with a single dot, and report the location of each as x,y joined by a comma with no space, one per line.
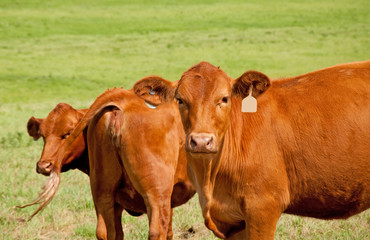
304,151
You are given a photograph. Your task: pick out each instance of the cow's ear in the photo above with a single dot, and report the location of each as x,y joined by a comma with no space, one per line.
259,81
155,90
33,127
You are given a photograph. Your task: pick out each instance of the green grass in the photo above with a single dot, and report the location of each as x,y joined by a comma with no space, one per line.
71,51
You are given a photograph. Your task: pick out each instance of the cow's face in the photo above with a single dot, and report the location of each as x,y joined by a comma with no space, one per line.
204,95
204,99
54,129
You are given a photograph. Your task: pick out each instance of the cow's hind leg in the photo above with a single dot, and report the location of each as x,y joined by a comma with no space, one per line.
159,214
101,229
103,192
105,209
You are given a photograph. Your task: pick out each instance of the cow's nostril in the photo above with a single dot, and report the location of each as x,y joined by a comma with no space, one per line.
193,143
209,142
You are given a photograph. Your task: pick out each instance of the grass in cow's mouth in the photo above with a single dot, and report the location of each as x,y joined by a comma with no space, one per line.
71,51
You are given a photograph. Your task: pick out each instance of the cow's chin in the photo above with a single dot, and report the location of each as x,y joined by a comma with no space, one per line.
201,154
43,172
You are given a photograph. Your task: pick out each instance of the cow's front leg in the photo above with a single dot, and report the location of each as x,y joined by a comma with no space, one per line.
260,218
118,221
169,230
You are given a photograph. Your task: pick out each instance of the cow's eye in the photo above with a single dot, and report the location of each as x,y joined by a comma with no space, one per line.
225,99
65,135
179,100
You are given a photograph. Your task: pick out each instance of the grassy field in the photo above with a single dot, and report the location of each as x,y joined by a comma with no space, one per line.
71,51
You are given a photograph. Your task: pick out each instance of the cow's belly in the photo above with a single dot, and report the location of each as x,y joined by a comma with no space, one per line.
328,206
332,196
131,200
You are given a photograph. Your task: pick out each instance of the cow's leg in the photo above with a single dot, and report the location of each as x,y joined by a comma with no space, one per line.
118,221
101,229
169,230
261,228
105,206
159,214
260,220
153,178
103,193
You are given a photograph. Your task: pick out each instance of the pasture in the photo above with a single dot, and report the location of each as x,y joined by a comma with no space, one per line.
71,51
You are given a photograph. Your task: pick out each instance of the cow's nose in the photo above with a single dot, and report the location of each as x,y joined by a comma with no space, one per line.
201,143
44,167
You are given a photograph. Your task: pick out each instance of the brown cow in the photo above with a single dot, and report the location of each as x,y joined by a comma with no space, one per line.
54,129
306,151
136,161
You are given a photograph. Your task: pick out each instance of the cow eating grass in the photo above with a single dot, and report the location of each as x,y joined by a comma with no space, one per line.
135,159
306,151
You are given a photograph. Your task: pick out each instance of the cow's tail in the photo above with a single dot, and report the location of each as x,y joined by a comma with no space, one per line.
108,98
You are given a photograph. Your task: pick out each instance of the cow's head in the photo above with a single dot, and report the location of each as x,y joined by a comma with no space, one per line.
204,94
54,129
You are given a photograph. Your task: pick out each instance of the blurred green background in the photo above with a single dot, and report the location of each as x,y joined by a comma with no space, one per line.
71,51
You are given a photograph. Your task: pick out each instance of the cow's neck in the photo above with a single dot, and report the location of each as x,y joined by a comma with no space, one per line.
81,163
240,144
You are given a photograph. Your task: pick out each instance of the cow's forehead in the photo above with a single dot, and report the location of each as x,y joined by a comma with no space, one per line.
209,84
57,121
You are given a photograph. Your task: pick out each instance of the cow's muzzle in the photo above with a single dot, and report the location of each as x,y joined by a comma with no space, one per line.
44,167
201,143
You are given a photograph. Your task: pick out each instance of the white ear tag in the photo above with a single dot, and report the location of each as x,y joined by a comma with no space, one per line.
151,92
249,104
151,106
